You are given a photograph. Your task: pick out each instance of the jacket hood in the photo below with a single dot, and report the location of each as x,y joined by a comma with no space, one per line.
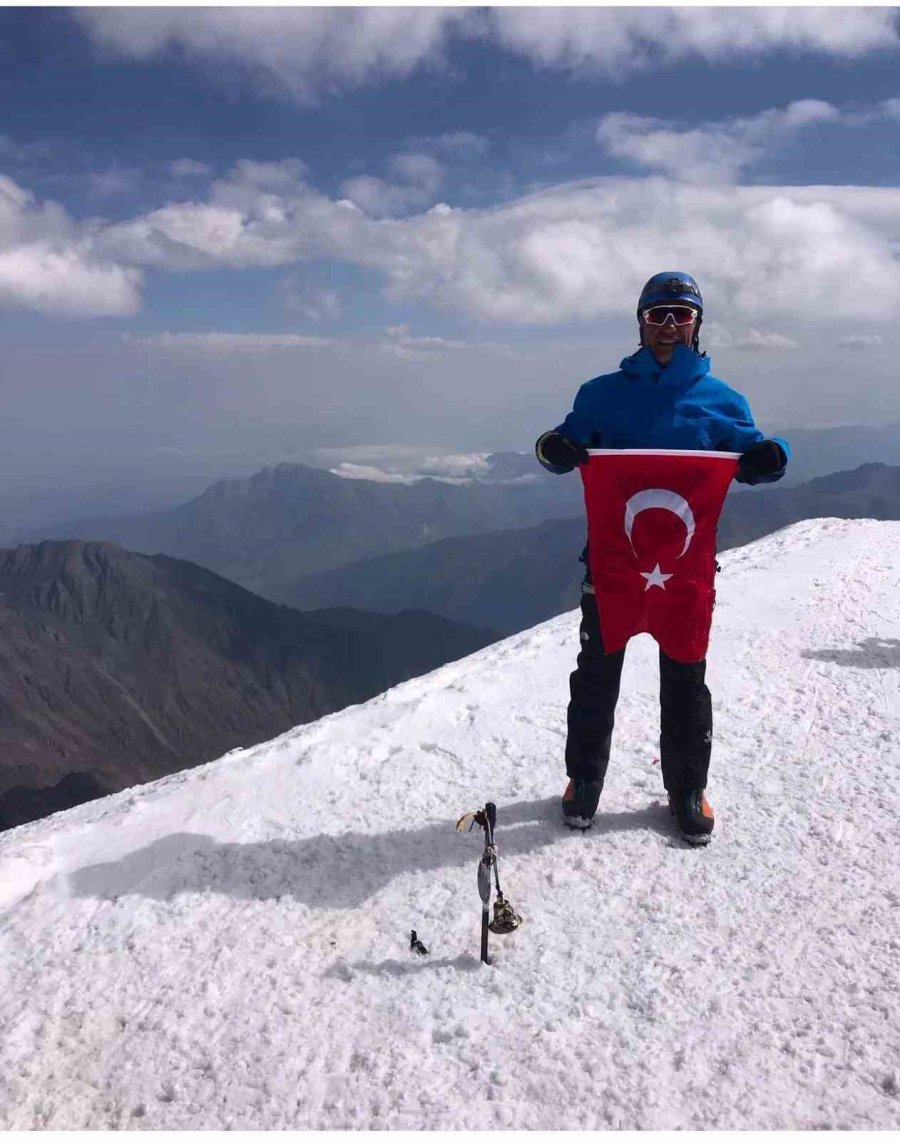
686,365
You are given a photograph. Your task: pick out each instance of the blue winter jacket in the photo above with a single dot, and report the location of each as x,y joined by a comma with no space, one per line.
680,406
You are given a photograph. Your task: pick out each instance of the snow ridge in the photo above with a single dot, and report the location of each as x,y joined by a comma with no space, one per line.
228,947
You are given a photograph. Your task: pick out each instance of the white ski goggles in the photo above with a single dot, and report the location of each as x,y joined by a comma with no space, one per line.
662,314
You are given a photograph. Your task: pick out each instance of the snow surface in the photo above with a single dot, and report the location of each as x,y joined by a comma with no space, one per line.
229,947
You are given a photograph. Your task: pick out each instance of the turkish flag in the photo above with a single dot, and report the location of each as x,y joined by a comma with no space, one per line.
652,518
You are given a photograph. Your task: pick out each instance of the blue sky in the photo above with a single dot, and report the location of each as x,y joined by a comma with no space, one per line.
236,236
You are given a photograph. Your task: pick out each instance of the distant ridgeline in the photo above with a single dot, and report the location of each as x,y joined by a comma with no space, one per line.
500,553
511,580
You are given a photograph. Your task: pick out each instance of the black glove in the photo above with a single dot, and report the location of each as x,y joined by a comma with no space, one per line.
764,458
559,452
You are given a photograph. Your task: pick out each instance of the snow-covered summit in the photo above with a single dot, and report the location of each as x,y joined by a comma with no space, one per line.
228,947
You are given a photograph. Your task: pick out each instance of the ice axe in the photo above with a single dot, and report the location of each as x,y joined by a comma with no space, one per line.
505,918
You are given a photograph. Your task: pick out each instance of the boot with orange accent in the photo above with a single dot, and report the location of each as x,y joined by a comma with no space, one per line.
580,800
694,814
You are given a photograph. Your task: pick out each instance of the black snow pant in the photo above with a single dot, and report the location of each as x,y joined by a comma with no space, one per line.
685,710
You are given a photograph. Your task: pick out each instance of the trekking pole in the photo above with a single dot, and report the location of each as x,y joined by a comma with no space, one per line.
505,918
488,860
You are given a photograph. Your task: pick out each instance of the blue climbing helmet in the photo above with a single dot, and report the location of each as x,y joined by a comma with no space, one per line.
673,287
670,286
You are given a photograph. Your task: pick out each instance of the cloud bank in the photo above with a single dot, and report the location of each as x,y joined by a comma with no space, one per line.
574,252
547,258
306,54
300,53
617,41
227,344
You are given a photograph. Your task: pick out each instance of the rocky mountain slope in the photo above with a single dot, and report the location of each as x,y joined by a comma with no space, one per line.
123,667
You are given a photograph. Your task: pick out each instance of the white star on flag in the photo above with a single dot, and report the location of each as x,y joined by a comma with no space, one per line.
655,578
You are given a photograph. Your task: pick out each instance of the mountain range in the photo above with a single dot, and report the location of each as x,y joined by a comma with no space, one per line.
121,667
309,538
509,580
191,527
267,531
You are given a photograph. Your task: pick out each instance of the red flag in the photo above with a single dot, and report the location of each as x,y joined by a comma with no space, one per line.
652,519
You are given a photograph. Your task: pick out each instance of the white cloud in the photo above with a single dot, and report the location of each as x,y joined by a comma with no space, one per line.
395,458
717,336
617,41
374,474
860,341
397,341
454,469
417,169
113,182
307,53
34,150
711,152
216,344
467,466
189,168
281,176
313,303
183,236
580,251
303,53
381,199
262,214
50,265
457,144
416,177
64,282
401,343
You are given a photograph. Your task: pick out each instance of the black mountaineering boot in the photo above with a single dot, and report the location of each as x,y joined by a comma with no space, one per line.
580,800
694,814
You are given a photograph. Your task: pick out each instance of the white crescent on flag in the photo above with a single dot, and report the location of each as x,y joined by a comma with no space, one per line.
668,501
